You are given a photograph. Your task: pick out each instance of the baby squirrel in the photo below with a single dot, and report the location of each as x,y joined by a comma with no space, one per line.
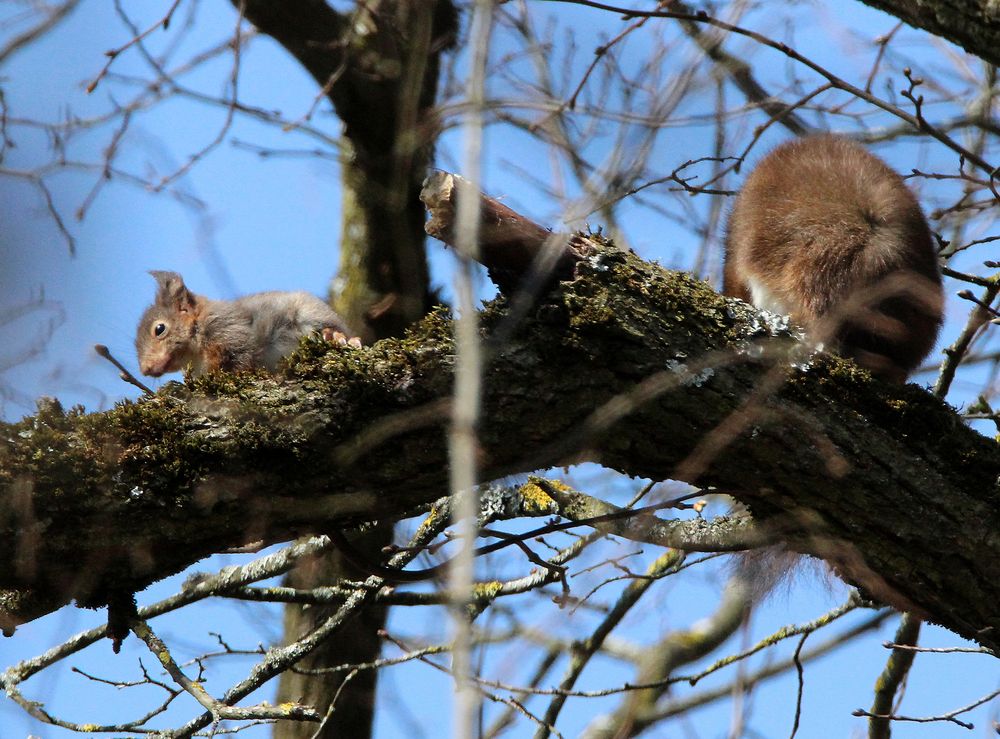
826,232
181,329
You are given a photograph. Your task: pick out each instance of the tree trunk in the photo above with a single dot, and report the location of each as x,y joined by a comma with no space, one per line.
382,83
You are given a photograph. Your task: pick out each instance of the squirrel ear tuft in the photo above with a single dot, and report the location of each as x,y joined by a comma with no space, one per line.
171,289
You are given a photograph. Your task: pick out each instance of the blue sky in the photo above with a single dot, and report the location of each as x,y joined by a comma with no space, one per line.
273,224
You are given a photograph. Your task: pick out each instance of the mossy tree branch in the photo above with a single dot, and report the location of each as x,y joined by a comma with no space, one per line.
625,364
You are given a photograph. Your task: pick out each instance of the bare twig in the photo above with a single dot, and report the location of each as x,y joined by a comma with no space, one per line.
103,351
915,120
163,22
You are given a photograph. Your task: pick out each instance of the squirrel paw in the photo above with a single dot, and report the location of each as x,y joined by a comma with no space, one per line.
339,338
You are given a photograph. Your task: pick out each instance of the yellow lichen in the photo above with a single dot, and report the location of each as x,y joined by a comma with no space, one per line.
535,499
486,590
429,522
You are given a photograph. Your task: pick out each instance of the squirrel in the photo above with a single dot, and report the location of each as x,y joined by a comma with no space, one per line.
825,232
181,329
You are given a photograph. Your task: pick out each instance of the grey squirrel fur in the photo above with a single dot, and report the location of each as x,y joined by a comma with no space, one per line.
184,330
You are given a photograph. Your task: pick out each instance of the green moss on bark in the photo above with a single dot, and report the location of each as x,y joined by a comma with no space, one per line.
626,364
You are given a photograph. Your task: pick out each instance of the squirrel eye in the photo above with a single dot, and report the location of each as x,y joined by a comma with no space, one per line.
159,329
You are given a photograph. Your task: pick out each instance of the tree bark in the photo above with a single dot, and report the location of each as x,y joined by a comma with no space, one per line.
625,364
972,24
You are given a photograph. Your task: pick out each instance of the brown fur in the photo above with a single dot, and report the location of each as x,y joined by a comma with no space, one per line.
825,232
182,329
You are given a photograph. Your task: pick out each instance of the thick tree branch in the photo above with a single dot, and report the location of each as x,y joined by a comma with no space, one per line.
972,24
511,246
625,364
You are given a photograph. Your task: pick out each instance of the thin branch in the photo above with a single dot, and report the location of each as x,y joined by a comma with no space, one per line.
660,567
53,15
163,22
893,677
466,407
220,711
103,351
701,17
947,717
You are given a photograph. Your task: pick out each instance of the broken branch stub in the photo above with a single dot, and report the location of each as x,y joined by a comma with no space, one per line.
516,250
